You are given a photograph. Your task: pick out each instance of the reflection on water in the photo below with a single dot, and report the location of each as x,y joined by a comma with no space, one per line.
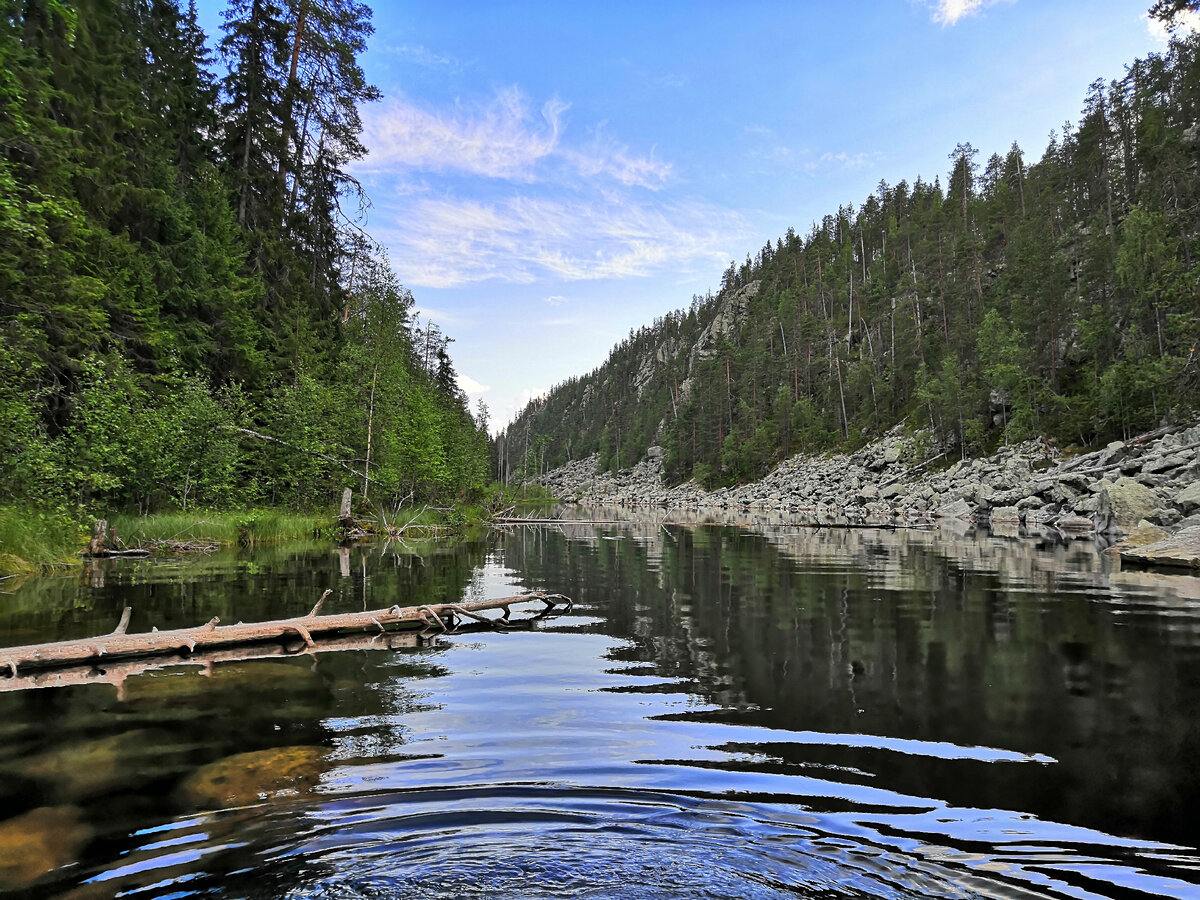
751,711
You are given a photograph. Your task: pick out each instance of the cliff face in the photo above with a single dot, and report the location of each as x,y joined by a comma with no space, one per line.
628,403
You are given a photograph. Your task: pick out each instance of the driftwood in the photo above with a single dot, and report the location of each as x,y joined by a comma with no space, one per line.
119,645
108,543
207,659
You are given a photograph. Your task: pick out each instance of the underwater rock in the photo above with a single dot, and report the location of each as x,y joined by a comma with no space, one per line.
246,778
40,841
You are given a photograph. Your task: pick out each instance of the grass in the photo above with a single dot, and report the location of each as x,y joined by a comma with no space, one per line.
38,540
252,526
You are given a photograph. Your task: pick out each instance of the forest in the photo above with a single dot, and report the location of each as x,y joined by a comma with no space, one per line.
191,314
1014,298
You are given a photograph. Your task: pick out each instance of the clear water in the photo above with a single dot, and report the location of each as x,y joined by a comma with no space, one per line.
753,710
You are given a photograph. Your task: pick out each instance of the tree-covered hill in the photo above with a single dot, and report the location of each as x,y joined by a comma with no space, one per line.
189,313
1058,297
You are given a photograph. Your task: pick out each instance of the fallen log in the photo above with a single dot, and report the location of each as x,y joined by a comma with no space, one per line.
115,673
119,645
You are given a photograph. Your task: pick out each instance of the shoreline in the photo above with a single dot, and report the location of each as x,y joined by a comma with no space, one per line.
1146,487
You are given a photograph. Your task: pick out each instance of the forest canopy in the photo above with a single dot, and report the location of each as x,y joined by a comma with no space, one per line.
190,312
1012,298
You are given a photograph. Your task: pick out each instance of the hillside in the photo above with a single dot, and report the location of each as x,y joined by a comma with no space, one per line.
1059,298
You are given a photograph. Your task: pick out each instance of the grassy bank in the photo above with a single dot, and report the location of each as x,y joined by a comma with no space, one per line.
38,540
42,541
34,540
248,527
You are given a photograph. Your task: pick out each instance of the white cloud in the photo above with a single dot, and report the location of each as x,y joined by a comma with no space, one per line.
557,300
451,242
472,387
423,56
440,316
950,12
1185,21
503,139
841,161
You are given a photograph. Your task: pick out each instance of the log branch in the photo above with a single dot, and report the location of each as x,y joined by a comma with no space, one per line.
120,645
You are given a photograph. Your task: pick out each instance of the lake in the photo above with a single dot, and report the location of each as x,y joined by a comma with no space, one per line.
753,709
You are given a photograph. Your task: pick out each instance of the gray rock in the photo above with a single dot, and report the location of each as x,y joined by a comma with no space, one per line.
1114,453
1188,499
1009,514
893,490
1165,463
1166,517
1075,523
1181,549
891,454
1123,504
956,509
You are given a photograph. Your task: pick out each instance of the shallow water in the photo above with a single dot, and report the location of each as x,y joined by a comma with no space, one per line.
758,710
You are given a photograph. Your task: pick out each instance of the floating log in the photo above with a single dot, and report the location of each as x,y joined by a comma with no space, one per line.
115,673
119,645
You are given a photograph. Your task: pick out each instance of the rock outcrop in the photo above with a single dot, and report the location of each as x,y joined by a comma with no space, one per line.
1155,478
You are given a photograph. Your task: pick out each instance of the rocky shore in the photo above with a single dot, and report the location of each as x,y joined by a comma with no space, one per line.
1150,481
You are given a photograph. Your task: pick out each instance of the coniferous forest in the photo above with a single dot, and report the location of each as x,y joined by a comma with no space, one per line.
1011,298
190,313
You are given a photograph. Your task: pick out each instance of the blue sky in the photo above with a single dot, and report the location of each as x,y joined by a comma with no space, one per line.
549,175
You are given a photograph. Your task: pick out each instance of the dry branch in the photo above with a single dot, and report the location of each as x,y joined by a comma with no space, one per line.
186,641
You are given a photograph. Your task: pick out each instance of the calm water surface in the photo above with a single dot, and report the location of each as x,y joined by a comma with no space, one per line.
729,711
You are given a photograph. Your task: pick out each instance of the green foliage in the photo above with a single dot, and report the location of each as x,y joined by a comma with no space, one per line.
188,317
1058,298
32,539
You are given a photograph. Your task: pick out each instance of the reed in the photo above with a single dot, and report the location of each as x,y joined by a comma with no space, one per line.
33,540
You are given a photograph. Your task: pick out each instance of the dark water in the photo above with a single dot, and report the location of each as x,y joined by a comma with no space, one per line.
728,712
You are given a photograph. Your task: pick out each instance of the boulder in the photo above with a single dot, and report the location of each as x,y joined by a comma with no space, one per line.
1188,499
38,842
249,777
1166,517
1075,523
1143,533
1124,503
1005,514
1165,463
1180,550
958,509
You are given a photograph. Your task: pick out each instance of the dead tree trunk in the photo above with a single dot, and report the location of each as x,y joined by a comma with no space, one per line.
185,641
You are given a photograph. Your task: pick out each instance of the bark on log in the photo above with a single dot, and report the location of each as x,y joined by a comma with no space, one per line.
185,641
116,672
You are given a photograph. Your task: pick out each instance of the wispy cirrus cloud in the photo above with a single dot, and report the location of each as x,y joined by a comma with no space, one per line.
503,138
423,56
771,154
450,242
951,12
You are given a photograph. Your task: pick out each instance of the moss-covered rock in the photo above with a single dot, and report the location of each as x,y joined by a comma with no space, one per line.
258,775
38,842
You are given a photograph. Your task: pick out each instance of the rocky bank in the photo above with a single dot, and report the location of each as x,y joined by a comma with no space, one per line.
1153,479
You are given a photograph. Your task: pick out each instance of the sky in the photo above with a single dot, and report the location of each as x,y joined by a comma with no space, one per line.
547,176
